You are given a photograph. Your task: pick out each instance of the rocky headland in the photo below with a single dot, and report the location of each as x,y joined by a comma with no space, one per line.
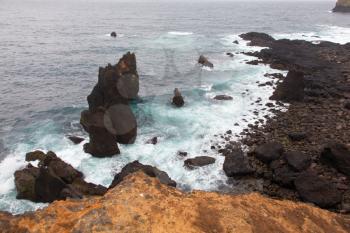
143,204
342,6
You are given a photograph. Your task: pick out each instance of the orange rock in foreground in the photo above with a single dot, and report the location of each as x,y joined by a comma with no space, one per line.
142,204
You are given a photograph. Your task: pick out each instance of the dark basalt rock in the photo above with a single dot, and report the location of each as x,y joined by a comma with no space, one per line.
153,141
297,160
76,140
235,42
148,170
35,155
338,156
178,100
317,190
291,89
182,153
342,6
200,161
113,34
109,118
297,136
283,174
223,97
230,54
52,180
347,105
254,62
268,152
258,39
205,62
236,164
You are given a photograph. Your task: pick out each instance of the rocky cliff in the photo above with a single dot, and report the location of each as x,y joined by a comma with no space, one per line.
143,204
342,6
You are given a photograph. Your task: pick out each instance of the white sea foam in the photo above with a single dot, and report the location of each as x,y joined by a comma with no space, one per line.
176,33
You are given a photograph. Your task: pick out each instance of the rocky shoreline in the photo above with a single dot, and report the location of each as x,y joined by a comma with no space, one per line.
303,154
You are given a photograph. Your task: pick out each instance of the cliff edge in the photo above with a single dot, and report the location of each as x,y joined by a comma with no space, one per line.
342,6
143,204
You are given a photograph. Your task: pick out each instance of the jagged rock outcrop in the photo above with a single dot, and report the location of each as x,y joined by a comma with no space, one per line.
292,88
143,204
205,62
52,180
342,6
109,118
178,100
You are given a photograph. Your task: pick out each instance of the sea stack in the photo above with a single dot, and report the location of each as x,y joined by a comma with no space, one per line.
109,118
342,6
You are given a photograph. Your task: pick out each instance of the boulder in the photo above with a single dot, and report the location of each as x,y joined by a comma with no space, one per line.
297,160
268,152
205,62
76,140
153,141
317,190
291,89
35,155
178,100
297,136
258,39
147,169
338,156
235,42
342,6
223,97
347,105
52,180
109,118
283,174
199,161
230,54
113,34
236,164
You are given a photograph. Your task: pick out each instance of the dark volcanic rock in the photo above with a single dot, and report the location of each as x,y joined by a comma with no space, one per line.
283,174
200,161
254,62
258,39
230,54
236,164
268,152
338,156
292,88
109,119
178,100
52,180
205,62
317,190
223,97
113,34
148,170
297,160
297,136
35,155
342,6
153,141
76,140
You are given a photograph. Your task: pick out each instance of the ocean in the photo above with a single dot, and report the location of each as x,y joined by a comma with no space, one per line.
51,52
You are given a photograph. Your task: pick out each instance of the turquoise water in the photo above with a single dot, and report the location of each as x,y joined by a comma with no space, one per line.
50,64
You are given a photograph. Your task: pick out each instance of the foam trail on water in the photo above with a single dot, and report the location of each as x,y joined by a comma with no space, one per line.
176,33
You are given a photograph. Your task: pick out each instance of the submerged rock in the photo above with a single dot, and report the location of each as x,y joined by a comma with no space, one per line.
223,97
317,190
152,141
230,54
147,169
199,161
338,156
205,62
76,140
178,100
52,180
109,118
342,6
236,164
113,34
291,89
268,152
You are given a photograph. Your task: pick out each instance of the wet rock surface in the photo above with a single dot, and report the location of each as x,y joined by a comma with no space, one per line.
109,118
205,62
199,161
52,180
236,164
223,97
76,140
178,100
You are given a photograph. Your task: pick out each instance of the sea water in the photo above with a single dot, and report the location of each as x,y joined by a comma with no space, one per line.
51,51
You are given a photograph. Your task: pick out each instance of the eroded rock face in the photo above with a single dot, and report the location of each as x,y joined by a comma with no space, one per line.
109,118
141,203
52,180
342,6
147,169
